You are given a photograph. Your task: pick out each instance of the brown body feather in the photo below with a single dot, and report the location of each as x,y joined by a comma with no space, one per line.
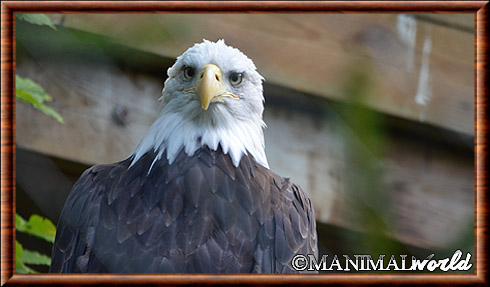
201,214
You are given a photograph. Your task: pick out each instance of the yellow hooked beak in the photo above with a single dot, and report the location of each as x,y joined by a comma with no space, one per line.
210,87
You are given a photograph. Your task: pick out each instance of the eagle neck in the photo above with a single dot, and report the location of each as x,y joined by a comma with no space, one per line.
172,132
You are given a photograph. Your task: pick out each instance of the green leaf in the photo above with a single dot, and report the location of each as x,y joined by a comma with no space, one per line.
52,113
18,250
32,93
20,267
26,86
28,98
36,19
39,227
35,258
36,226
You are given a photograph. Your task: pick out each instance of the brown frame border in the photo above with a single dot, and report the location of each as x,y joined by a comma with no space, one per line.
8,8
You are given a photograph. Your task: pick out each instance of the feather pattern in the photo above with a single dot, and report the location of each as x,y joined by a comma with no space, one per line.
185,225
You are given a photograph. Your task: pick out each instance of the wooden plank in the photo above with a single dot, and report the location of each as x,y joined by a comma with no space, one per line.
457,21
428,187
428,191
311,53
86,96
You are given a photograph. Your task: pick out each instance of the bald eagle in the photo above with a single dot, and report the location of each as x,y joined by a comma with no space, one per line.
197,194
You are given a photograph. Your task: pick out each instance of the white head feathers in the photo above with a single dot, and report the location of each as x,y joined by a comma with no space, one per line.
235,125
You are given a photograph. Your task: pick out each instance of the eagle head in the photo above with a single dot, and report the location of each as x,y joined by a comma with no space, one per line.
213,96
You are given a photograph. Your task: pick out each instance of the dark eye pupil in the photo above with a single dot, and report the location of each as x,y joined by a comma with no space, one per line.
236,78
189,72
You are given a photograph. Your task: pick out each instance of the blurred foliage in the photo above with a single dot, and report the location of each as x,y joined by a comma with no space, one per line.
32,93
36,226
39,227
365,143
36,19
28,91
25,89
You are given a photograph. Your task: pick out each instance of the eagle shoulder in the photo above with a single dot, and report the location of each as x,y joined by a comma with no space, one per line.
291,230
199,214
80,215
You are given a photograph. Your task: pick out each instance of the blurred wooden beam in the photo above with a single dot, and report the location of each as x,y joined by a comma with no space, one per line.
422,70
463,22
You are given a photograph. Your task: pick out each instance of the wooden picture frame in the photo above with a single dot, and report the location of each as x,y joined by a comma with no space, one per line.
8,10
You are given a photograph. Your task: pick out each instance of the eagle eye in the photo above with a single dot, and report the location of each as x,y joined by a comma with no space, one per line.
189,73
236,79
